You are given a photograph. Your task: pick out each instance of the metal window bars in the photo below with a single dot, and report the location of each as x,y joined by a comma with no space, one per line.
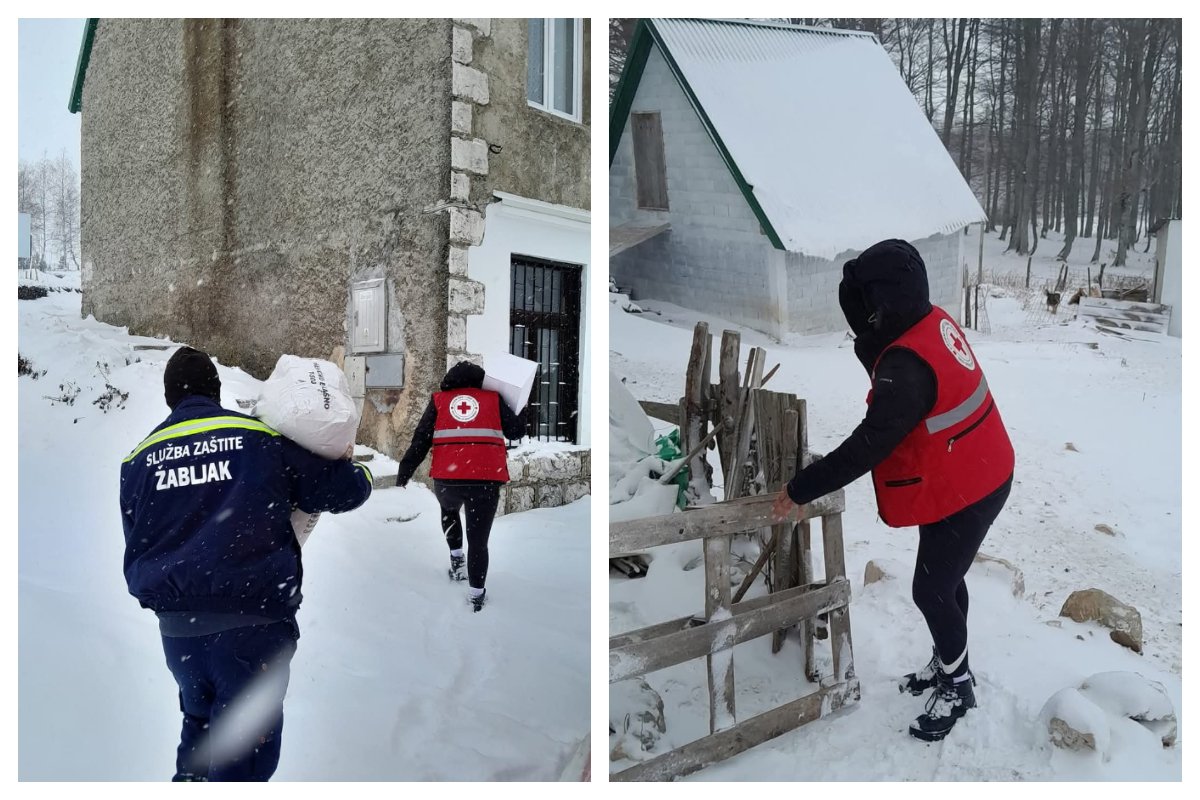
544,320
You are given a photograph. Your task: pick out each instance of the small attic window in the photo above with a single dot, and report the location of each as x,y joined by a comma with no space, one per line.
649,161
554,73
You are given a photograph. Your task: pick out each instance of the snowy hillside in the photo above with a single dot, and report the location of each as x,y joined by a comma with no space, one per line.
394,677
1096,503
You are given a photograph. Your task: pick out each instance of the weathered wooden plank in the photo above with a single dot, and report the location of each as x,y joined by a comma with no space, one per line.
727,396
1135,316
839,620
785,556
1148,327
623,237
641,657
694,412
1123,305
734,483
682,623
667,412
716,747
722,711
719,519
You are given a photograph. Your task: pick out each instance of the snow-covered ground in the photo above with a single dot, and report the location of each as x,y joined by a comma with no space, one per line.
1095,420
394,677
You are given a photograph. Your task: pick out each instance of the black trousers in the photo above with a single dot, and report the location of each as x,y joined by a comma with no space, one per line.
479,500
231,689
945,553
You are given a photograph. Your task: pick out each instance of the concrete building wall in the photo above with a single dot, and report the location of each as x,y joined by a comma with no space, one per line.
239,175
541,156
715,257
812,284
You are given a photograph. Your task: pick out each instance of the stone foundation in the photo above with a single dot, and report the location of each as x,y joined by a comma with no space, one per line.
546,480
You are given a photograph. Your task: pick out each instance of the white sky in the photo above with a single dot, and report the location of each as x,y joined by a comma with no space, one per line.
48,50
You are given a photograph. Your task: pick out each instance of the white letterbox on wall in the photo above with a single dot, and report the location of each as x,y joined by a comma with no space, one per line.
368,316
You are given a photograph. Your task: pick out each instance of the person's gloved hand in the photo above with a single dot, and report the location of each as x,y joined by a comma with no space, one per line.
401,481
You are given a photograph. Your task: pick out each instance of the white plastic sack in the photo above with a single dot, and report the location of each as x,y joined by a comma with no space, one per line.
308,400
511,377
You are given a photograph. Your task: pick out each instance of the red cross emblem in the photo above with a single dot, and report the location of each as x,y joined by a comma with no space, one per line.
464,408
957,345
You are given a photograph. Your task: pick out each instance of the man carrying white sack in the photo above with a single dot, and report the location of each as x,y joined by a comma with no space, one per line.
206,503
466,427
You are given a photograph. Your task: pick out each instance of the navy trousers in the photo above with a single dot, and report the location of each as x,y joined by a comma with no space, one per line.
231,689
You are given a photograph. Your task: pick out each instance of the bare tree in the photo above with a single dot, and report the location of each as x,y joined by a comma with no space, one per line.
65,203
1084,53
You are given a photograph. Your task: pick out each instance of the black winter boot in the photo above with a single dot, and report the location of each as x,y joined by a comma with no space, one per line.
946,706
477,601
924,679
458,568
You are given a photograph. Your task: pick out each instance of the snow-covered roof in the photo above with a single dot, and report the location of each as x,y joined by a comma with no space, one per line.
825,139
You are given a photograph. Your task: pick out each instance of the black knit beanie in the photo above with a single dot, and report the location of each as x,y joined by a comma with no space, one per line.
190,372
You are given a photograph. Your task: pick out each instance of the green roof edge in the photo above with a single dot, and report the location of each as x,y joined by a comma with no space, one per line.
75,105
639,52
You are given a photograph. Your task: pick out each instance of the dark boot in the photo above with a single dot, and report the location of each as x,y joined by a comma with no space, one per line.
924,679
477,601
946,706
458,568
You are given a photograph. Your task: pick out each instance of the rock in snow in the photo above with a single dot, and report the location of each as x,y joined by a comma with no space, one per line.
1076,723
1006,570
1095,605
874,573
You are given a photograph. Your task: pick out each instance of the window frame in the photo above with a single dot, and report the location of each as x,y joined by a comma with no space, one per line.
548,41
568,323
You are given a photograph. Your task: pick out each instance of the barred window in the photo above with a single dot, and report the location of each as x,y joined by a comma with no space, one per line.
545,328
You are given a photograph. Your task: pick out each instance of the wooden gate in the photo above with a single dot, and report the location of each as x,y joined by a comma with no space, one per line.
738,409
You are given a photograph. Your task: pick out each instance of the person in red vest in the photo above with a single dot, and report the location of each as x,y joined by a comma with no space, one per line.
939,456
466,426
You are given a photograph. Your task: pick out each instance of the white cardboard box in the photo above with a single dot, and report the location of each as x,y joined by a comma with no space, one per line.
511,376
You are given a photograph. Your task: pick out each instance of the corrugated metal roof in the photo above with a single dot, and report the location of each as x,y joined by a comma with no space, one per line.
823,131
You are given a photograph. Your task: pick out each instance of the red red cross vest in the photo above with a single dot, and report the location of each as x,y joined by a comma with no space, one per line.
960,453
468,442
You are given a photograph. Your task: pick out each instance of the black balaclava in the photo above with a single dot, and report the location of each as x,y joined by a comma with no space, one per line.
190,372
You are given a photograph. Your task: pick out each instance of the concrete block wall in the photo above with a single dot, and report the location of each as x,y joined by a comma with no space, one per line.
715,257
812,283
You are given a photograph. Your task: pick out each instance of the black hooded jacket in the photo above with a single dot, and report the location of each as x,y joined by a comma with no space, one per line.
463,375
883,293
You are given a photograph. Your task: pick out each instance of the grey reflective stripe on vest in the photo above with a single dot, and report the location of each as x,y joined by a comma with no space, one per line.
961,412
468,433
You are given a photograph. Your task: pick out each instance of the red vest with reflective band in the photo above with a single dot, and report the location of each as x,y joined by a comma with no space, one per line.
468,442
960,453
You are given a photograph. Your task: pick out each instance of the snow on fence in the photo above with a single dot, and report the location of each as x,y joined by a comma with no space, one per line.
758,433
